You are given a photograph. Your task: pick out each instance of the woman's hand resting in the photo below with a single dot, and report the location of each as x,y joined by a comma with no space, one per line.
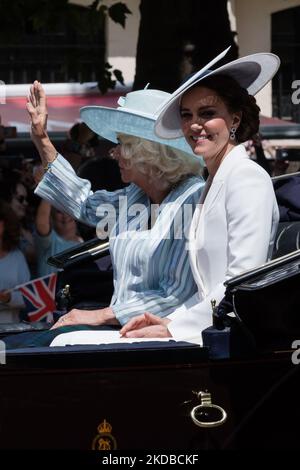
146,326
103,316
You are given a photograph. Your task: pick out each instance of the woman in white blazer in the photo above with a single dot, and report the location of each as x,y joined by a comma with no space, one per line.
234,225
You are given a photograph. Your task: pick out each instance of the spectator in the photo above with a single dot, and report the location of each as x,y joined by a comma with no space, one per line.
55,232
13,266
81,144
15,193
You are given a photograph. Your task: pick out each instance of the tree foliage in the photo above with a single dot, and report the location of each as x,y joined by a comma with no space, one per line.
20,17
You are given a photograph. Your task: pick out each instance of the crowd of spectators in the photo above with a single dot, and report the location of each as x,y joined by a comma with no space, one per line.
30,229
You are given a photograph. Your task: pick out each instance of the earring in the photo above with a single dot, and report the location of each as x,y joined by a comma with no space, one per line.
232,133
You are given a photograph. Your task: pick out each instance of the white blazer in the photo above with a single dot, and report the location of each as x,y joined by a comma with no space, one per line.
234,230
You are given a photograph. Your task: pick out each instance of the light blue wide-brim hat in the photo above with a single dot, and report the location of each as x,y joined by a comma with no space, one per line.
252,72
135,116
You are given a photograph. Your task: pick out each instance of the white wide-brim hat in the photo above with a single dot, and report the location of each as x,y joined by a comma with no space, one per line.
135,116
252,72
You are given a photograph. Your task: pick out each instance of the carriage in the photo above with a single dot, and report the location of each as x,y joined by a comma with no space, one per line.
238,391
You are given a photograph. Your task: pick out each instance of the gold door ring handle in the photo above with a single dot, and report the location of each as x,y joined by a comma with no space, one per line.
207,405
208,424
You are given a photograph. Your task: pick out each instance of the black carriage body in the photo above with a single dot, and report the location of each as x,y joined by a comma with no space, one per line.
141,397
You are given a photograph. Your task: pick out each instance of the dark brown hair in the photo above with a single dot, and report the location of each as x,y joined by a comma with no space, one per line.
237,99
11,233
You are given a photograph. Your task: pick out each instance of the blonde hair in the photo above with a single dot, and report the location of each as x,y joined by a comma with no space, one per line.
163,164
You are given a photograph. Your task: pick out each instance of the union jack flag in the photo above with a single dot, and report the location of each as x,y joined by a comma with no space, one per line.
39,298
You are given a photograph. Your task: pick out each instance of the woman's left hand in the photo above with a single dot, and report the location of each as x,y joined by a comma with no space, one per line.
146,325
104,316
5,296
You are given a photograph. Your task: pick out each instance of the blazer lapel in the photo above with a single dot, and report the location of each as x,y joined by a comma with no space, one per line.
229,162
196,238
212,196
193,246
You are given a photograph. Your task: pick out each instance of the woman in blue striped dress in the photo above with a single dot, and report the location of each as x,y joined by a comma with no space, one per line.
147,222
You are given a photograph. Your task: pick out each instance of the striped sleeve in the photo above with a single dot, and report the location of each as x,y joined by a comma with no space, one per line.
71,194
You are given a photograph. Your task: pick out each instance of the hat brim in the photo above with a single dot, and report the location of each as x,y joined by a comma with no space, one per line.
252,72
108,122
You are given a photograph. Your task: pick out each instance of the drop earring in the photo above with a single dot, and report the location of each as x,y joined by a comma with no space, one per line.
232,133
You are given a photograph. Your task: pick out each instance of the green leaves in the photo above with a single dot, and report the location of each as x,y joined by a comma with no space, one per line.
78,33
118,12
119,76
106,78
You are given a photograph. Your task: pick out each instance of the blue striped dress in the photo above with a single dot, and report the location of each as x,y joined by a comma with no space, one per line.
151,265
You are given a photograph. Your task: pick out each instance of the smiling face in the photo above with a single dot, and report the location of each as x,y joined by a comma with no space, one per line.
206,123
